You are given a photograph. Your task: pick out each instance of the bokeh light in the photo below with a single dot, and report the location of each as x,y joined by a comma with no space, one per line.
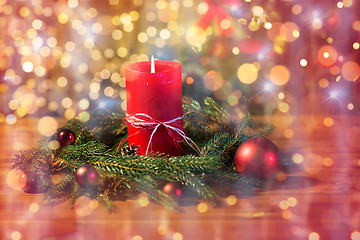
28,66
276,59
83,206
202,207
279,75
327,55
16,235
47,126
350,71
247,73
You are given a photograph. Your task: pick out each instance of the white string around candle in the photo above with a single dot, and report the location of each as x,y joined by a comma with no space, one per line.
144,121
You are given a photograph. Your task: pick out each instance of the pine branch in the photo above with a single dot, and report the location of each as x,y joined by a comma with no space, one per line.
190,180
202,164
30,159
56,200
76,190
134,167
214,109
155,194
248,128
126,174
60,186
214,147
109,129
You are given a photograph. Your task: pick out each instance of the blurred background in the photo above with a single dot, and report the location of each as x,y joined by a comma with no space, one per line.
273,58
294,63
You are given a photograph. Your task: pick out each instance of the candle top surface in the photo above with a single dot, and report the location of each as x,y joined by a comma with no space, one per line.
161,66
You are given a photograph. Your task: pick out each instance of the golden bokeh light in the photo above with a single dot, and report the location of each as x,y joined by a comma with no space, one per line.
327,55
284,204
177,236
303,62
289,133
53,145
34,207
356,45
195,36
202,8
355,235
11,119
247,73
12,179
143,199
334,70
314,236
323,83
258,11
16,235
202,207
328,122
328,162
297,158
231,200
296,9
254,25
267,25
82,206
350,106
289,31
356,25
213,80
24,11
162,230
47,126
279,75
292,201
233,100
63,18
284,107
286,214
347,3
70,113
350,71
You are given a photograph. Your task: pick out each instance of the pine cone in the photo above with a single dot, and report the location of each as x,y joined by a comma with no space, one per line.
129,150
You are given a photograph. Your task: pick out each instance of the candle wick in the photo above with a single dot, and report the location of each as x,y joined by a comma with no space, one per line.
152,64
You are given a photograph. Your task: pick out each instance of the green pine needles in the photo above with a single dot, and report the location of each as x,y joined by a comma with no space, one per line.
124,174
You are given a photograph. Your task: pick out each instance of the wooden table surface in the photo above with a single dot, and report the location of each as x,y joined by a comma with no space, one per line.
320,199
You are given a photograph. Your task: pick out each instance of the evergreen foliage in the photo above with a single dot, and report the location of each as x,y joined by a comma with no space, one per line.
125,174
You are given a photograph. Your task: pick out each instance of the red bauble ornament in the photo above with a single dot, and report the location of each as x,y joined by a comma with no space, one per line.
87,175
29,182
258,157
174,190
66,137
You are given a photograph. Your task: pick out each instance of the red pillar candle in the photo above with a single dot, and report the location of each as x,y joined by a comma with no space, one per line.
155,100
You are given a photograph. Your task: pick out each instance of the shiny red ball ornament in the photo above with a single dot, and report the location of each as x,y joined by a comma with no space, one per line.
87,175
174,190
258,157
66,137
29,182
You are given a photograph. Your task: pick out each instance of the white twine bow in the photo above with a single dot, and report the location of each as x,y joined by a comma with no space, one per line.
144,121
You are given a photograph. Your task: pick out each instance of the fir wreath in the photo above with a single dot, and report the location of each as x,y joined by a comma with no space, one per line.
124,173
